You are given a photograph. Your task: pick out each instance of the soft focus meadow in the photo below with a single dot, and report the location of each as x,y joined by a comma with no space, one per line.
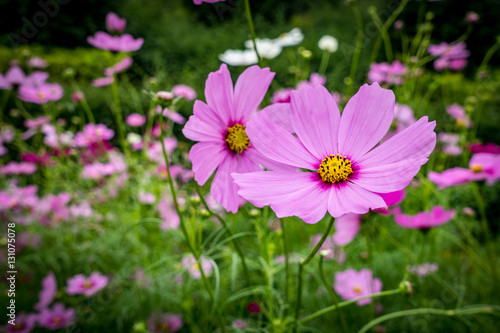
250,166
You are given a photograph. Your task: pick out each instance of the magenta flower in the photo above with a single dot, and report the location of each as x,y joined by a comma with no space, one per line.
189,262
48,293
484,148
81,210
346,228
352,284
314,80
57,317
348,170
458,112
385,73
15,168
41,94
164,322
422,270
482,166
114,23
103,81
37,62
88,286
282,96
172,115
24,323
53,209
220,126
15,76
449,56
123,43
425,220
184,91
77,96
93,133
391,199
135,120
119,66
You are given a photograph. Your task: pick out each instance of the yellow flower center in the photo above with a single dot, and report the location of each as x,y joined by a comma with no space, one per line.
476,168
195,267
87,284
56,320
357,289
41,95
237,139
335,168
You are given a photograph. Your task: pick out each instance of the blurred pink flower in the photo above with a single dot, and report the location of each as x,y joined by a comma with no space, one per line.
155,150
385,73
314,80
346,228
81,210
189,262
103,81
484,148
88,286
282,96
184,91
77,96
240,323
254,308
328,249
458,112
119,66
53,209
352,284
114,23
472,17
123,43
391,199
37,62
425,220
172,115
136,120
25,323
17,168
168,214
449,56
56,318
41,94
423,269
97,170
48,293
147,198
164,322
93,133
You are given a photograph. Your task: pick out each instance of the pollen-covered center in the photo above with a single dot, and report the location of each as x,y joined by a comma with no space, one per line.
237,139
476,168
335,168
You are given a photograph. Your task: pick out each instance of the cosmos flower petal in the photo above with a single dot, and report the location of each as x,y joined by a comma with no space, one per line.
414,144
250,90
219,93
288,193
346,228
365,120
198,130
224,190
277,144
315,120
280,114
265,162
350,198
206,156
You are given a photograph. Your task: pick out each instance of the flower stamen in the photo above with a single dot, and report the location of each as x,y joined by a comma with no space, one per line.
335,168
237,139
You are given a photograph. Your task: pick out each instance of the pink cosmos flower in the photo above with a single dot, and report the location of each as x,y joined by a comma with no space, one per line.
88,286
184,91
168,214
18,168
348,170
103,81
93,133
346,228
147,198
385,73
422,270
18,203
198,2
172,115
155,150
458,112
314,80
41,94
391,199
98,170
472,17
424,220
57,317
48,293
114,23
119,66
15,76
135,120
482,166
164,322
77,96
37,62
123,43
189,262
24,323
352,284
328,249
81,210
282,96
53,209
450,56
484,148
240,323
220,124
254,308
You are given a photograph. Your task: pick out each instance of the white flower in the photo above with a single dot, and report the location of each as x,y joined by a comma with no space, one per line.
133,138
328,43
291,38
267,48
239,58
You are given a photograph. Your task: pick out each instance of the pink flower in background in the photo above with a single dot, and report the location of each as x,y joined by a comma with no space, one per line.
314,80
42,160
48,293
103,81
472,17
15,76
114,23
24,323
37,62
168,214
422,270
484,148
119,66
349,170
482,166
220,126
450,141
41,94
36,122
98,170
385,73
136,120
172,115
164,322
18,203
123,43
155,150
147,198
189,262
254,308
56,318
458,112
425,220
27,239
240,324
352,284
282,96
184,91
88,286
18,168
198,2
81,210
391,199
53,209
346,228
328,249
93,133
77,96
449,56
403,118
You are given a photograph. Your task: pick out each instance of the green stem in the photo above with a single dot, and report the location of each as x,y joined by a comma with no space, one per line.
333,296
233,240
5,99
383,32
488,56
455,312
117,111
304,262
252,30
285,252
357,50
352,301
324,62
83,102
22,109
